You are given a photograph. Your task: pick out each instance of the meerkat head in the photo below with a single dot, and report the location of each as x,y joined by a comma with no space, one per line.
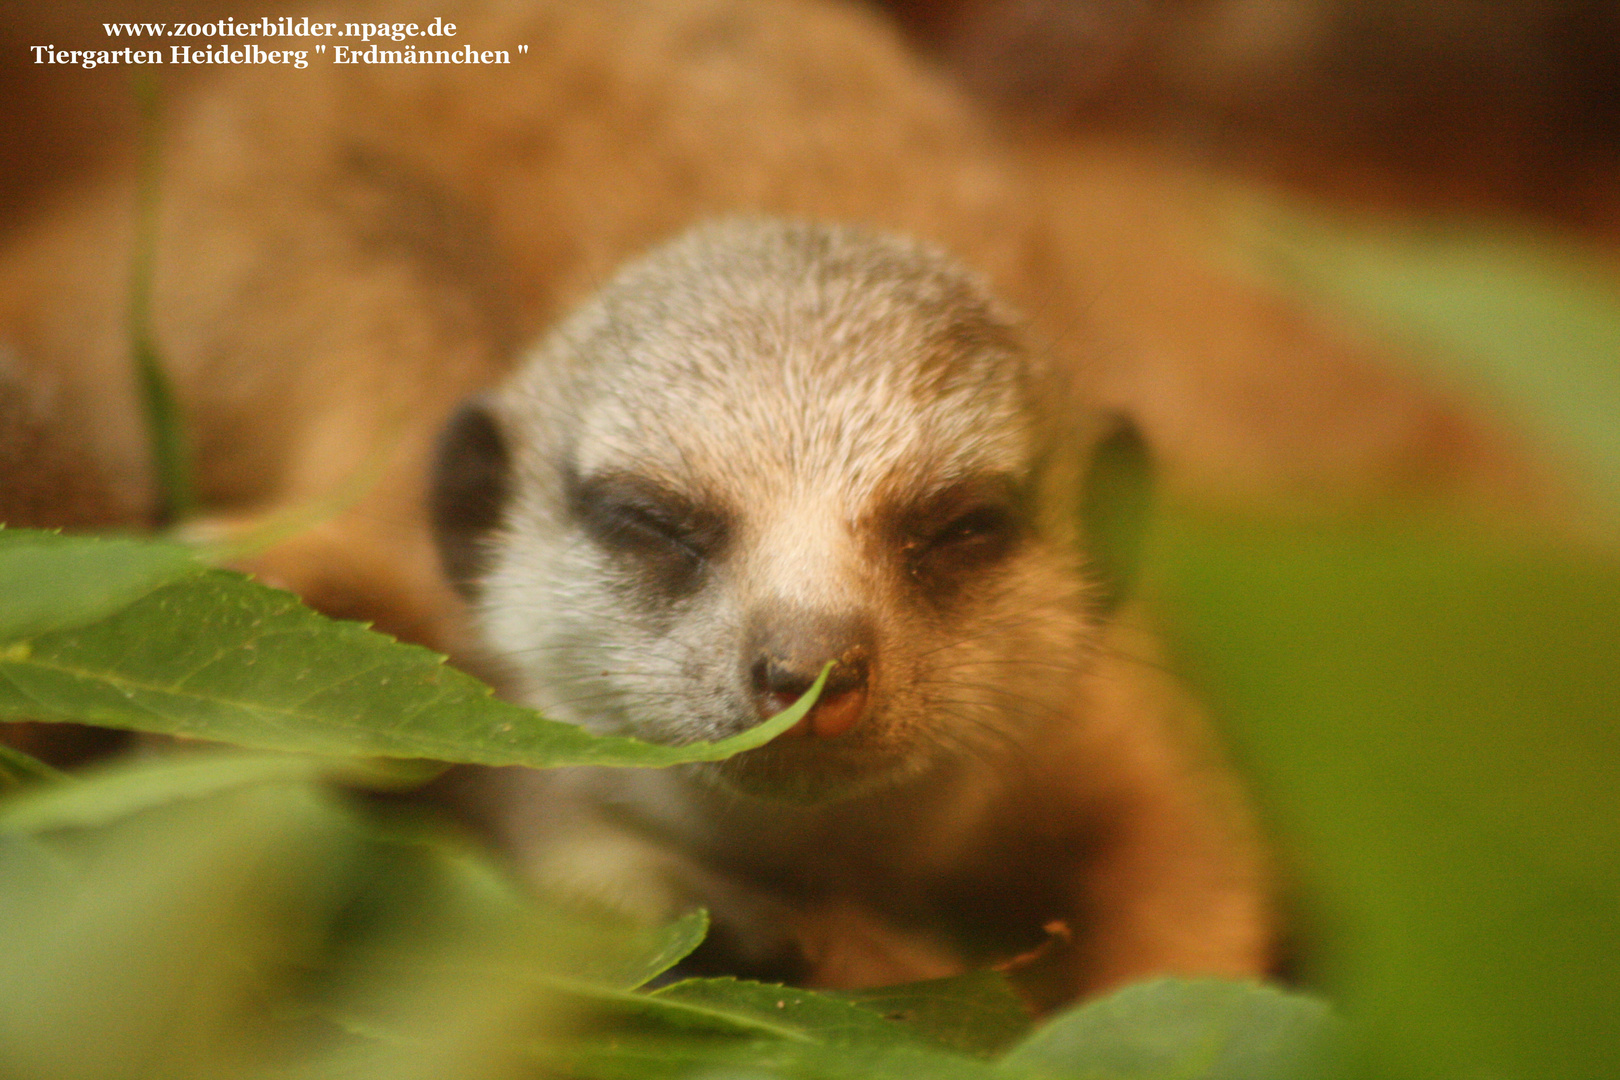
764,448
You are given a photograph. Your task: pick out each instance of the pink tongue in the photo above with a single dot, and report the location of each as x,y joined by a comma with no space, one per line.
830,718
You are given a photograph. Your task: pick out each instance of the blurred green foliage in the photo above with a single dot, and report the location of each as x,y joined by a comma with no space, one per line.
1434,723
226,914
1432,714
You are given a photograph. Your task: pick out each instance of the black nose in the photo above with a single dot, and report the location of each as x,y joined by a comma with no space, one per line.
787,654
787,683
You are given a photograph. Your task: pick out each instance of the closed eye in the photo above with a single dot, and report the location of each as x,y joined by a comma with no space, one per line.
659,531
972,540
980,527
636,526
960,530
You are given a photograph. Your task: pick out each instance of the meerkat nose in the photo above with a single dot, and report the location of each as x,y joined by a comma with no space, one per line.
838,708
788,662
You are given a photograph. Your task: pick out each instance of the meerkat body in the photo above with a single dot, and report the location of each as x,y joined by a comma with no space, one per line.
769,446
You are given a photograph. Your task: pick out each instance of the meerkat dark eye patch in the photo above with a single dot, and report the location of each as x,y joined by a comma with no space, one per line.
470,487
983,530
965,527
662,531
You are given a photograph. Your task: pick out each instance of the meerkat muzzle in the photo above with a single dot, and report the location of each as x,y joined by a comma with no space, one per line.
780,680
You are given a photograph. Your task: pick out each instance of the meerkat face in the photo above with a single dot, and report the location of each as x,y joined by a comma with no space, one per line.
764,449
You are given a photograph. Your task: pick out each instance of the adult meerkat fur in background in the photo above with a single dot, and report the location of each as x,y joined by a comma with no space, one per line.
767,446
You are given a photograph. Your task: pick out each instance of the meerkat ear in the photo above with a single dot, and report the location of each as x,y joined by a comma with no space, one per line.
470,486
1115,508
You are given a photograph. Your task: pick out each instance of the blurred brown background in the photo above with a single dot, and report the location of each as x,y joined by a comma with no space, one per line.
1485,105
1495,104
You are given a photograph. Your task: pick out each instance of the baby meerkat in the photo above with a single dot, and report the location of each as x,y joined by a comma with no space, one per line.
770,448
767,447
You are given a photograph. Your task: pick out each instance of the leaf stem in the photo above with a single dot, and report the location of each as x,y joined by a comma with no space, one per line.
171,457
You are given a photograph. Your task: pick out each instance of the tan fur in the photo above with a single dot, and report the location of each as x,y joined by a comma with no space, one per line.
345,254
1247,394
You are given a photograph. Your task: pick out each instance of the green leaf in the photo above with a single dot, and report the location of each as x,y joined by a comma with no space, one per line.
160,406
51,582
978,1013
640,1057
702,1027
130,787
209,936
786,1012
216,656
20,770
1434,721
151,948
671,945
596,957
724,1027
1207,1029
